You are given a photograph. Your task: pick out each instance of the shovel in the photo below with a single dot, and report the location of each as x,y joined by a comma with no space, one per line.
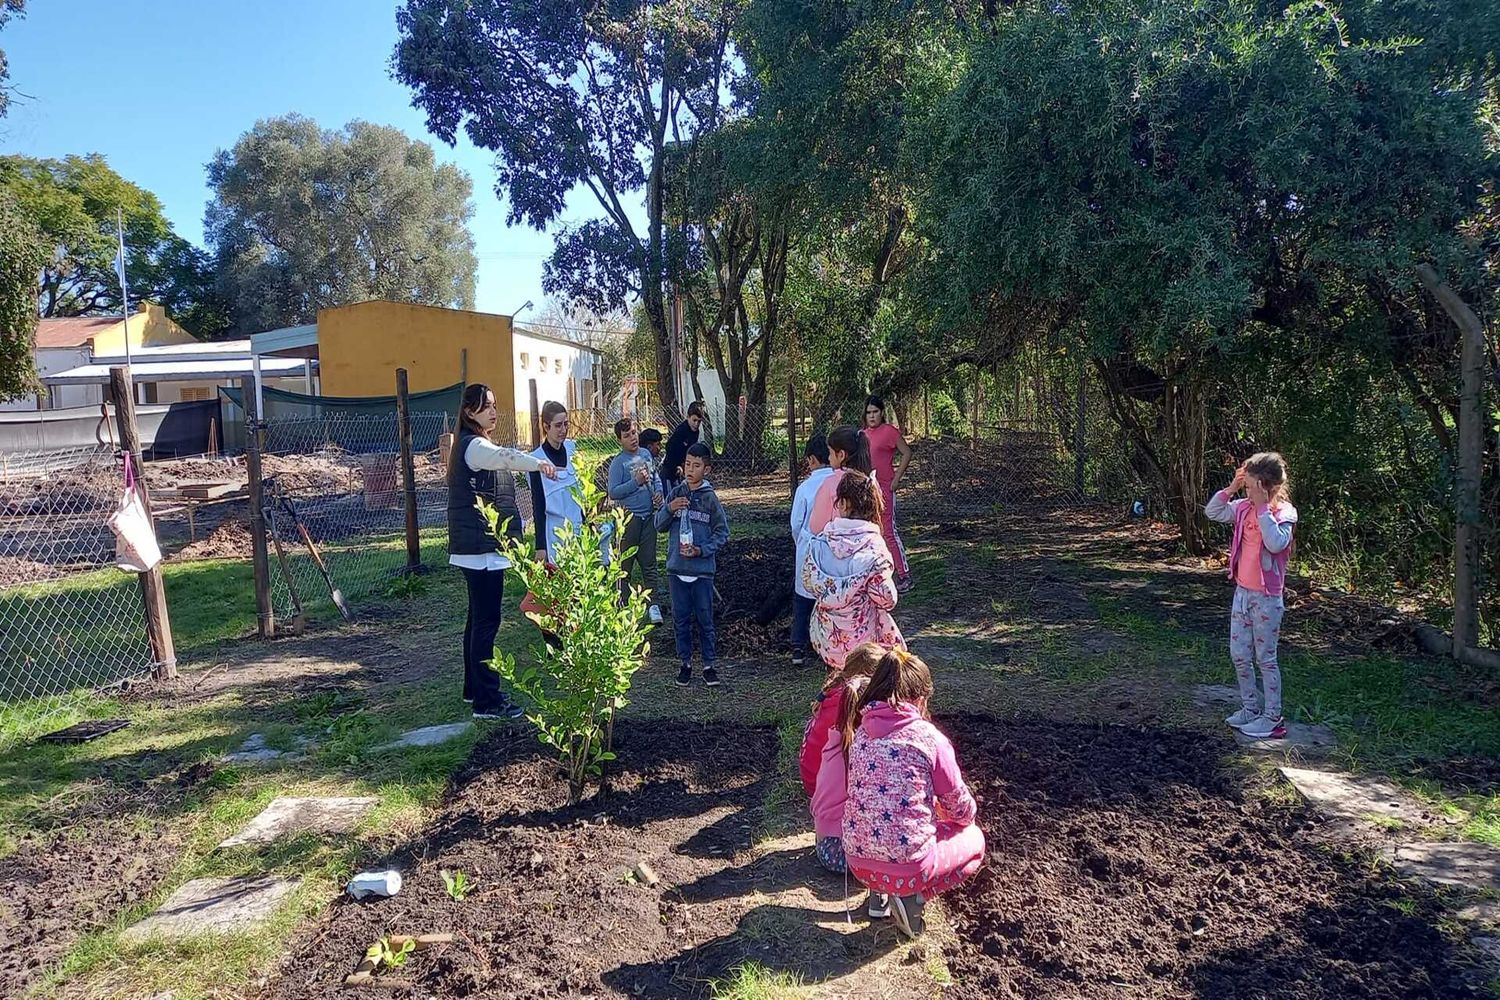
334,592
299,620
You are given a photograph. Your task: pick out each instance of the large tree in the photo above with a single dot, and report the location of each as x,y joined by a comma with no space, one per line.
23,251
1182,184
303,218
8,9
577,94
77,202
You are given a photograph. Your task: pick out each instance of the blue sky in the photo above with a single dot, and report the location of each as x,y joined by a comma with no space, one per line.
158,87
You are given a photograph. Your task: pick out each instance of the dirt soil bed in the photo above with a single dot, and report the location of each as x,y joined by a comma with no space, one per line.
554,911
58,887
1125,863
754,580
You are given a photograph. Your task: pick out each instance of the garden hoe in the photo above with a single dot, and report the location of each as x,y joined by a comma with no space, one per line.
299,620
334,592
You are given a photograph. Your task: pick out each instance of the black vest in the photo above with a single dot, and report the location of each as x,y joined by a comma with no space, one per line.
467,534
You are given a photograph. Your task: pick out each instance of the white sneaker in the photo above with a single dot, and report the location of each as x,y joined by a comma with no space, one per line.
1242,718
908,914
1265,728
654,613
880,905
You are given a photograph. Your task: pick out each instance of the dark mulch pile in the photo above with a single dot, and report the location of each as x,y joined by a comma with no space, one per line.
1125,863
753,613
554,911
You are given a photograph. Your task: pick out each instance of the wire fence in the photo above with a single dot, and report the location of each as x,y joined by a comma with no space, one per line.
71,624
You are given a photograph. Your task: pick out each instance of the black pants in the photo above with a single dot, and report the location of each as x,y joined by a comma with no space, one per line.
481,684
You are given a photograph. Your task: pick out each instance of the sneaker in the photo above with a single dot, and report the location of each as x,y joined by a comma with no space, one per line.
1242,718
880,905
798,658
503,712
908,914
684,676
1265,728
654,613
711,677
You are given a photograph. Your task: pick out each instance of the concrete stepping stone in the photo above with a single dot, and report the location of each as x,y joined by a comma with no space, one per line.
1472,866
255,751
213,906
428,736
1216,695
1299,736
286,816
1355,799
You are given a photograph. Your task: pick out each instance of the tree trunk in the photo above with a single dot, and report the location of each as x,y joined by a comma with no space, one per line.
1470,461
1185,415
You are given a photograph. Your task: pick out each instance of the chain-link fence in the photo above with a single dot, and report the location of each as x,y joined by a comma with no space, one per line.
335,508
71,623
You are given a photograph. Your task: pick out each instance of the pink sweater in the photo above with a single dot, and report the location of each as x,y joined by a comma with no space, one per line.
903,777
830,787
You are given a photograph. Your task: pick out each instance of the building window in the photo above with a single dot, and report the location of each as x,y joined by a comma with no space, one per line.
541,365
195,394
558,368
151,397
525,361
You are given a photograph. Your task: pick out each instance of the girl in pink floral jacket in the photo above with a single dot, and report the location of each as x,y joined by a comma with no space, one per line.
909,828
849,572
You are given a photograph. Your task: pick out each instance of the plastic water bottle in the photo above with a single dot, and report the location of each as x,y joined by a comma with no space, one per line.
684,531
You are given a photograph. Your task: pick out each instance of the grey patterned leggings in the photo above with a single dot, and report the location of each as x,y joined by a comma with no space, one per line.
1254,630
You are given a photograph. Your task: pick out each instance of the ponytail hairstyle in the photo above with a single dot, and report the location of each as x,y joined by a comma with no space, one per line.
852,442
861,500
859,665
475,396
900,677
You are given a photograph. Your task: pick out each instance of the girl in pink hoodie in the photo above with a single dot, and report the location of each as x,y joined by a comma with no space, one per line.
849,572
1258,556
908,829
822,760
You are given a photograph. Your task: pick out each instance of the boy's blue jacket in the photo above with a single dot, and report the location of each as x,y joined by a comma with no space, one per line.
710,529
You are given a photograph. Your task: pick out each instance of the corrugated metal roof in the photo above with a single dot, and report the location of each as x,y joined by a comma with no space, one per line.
211,370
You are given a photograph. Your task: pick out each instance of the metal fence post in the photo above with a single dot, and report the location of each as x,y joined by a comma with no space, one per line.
408,475
153,591
265,614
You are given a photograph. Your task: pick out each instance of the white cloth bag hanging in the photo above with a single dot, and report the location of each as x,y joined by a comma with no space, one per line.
136,549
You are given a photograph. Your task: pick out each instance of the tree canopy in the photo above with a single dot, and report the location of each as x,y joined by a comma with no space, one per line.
23,251
76,202
303,218
576,94
8,9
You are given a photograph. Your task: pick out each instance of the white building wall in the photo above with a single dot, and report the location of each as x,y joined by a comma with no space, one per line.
564,372
59,359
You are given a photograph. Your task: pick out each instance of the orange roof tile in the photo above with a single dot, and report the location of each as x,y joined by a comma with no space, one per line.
72,331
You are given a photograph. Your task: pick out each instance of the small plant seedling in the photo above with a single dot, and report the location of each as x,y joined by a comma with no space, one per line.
408,586
457,884
383,954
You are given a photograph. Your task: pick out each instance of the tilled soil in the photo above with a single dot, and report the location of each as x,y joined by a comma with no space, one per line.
1125,862
554,911
753,612
57,887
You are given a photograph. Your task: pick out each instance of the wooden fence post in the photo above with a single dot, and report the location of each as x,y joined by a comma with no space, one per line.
265,613
791,434
408,474
536,416
153,592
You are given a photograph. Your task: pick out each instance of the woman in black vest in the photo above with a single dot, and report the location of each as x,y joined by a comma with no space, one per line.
478,468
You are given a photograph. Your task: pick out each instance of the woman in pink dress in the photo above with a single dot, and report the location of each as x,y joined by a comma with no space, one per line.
886,443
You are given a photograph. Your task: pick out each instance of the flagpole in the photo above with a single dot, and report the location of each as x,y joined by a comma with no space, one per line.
124,291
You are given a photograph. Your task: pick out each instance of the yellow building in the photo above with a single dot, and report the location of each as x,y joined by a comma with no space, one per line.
360,346
66,342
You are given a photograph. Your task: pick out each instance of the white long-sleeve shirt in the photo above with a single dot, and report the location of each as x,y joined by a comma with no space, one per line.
802,505
481,455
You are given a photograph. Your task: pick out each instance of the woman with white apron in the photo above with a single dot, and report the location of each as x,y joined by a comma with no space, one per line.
553,506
